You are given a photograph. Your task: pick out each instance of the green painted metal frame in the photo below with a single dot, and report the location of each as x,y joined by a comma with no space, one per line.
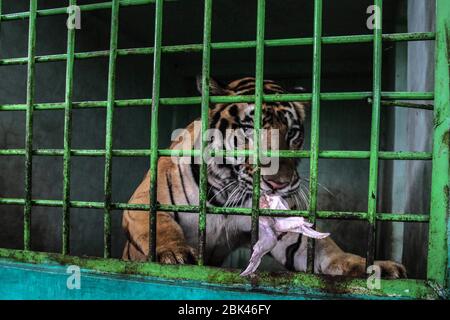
437,247
205,101
301,283
437,219
315,128
68,138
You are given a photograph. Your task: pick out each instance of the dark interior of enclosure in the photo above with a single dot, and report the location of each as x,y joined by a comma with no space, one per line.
345,125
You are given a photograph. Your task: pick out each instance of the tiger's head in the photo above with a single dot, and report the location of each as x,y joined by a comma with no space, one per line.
230,181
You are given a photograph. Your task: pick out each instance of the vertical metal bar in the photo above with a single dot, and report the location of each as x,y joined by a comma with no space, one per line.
109,127
437,245
205,124
154,129
315,128
68,137
259,92
375,134
29,124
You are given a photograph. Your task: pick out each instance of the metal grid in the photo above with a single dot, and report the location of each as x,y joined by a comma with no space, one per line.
437,257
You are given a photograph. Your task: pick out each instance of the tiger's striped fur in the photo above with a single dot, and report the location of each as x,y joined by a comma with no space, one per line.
231,185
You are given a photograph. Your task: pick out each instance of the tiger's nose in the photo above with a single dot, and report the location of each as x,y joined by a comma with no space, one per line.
276,185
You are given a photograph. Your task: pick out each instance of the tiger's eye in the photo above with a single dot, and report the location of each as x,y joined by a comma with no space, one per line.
292,132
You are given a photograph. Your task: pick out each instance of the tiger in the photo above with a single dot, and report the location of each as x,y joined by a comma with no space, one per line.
231,185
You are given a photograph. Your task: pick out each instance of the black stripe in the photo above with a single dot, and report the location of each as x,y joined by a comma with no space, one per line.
290,253
218,115
182,184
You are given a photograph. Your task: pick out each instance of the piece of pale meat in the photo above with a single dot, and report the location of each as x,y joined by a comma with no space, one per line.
270,228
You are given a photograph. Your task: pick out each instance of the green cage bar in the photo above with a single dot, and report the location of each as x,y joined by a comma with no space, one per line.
397,37
68,138
29,125
85,7
257,118
375,132
205,101
315,128
109,127
154,129
324,154
437,248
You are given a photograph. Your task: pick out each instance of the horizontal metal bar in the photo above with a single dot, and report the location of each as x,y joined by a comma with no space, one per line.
63,10
395,37
325,154
395,217
372,195
179,101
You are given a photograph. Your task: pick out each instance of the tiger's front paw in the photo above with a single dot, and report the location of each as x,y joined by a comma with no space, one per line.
176,253
391,269
351,265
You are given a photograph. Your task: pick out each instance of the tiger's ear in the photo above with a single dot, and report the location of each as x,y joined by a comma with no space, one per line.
215,88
